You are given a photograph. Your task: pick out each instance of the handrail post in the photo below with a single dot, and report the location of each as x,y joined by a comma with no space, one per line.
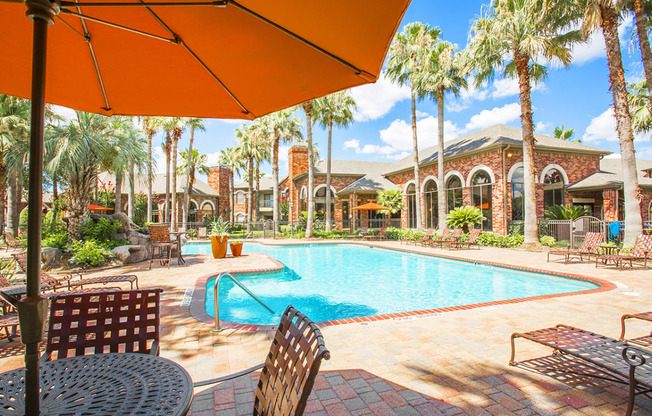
216,297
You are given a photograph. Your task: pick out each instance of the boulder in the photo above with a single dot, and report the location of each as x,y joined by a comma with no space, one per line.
51,257
131,253
138,239
124,220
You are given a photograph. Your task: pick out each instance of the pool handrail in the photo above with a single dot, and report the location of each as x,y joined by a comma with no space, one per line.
216,297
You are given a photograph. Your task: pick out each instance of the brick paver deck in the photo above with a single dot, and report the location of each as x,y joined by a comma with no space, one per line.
452,363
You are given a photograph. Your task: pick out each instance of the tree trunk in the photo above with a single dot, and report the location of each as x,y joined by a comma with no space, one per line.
441,188
132,192
417,188
19,199
3,192
55,199
275,204
529,184
644,41
307,107
149,175
257,206
173,196
250,201
231,198
328,173
631,189
188,164
117,206
167,180
11,205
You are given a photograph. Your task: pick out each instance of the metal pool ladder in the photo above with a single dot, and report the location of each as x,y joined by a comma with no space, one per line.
216,297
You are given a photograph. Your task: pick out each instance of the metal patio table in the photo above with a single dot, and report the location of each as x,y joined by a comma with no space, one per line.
103,384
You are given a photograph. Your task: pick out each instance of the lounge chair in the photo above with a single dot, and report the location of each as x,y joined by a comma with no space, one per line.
644,316
444,235
290,368
361,234
11,242
379,236
423,241
599,355
471,241
102,322
642,251
201,232
588,248
52,283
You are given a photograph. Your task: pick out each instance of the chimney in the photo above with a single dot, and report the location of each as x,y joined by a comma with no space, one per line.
297,164
219,179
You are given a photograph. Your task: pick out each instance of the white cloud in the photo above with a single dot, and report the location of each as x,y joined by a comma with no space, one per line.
507,87
497,115
65,112
603,127
594,48
158,157
543,127
213,159
467,96
376,100
422,114
283,153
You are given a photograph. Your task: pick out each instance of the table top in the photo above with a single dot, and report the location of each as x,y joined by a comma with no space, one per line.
103,384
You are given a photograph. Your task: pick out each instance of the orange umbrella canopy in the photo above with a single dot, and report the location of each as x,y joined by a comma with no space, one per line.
94,207
228,59
371,206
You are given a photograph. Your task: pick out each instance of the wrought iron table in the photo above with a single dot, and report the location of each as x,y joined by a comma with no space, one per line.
103,384
178,235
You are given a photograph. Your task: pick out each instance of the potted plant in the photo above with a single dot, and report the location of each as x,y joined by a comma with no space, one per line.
236,248
219,238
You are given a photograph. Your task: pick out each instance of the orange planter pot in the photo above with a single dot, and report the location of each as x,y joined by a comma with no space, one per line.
219,246
236,249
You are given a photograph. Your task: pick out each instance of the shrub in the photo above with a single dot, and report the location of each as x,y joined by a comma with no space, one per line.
517,229
56,240
399,234
548,240
332,234
102,231
192,232
494,240
462,217
562,212
219,227
89,253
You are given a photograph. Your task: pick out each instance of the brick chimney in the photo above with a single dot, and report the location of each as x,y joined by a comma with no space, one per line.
297,164
219,179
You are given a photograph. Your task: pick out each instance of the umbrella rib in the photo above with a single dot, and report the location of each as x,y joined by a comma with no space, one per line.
194,55
297,37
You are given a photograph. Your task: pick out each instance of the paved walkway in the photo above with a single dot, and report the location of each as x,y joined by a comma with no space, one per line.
445,364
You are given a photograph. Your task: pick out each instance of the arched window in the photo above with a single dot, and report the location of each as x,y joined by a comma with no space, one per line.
303,200
207,210
432,205
239,197
481,196
553,188
192,211
454,196
239,218
411,206
320,202
518,200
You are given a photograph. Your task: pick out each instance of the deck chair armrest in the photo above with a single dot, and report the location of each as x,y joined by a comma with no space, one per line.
155,348
229,377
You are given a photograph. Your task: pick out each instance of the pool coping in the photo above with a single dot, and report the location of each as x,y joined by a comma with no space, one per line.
198,311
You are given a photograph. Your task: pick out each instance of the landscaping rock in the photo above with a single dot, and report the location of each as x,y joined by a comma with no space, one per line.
131,253
124,220
51,257
138,239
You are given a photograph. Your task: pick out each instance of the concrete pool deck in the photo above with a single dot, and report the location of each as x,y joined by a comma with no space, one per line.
446,363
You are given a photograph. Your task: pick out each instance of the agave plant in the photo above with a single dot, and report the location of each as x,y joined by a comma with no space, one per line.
562,212
464,216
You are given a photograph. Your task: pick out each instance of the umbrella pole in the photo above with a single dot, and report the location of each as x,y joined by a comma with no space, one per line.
33,307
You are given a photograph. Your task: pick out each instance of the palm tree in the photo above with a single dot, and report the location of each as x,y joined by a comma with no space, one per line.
405,62
604,14
175,126
167,125
641,9
150,125
638,98
566,134
284,128
307,108
443,73
229,157
194,123
514,35
332,109
76,151
191,166
246,142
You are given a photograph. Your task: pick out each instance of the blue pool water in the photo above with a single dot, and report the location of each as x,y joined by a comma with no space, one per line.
338,281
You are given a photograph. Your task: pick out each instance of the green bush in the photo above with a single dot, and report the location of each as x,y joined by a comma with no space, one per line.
102,231
331,235
494,240
563,212
88,253
462,217
548,240
401,234
192,232
57,239
517,229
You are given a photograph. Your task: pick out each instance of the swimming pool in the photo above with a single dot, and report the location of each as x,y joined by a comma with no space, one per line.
339,281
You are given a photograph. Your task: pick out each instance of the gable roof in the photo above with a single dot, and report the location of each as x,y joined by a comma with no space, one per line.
487,139
158,184
266,183
610,176
347,168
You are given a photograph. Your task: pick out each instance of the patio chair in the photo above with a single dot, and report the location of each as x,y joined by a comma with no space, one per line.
379,236
159,237
644,316
290,368
588,248
103,322
52,283
11,241
9,317
596,355
444,236
423,241
471,241
642,251
201,232
361,234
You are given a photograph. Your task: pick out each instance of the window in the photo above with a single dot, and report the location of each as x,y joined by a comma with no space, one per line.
192,211
432,204
518,200
303,200
412,206
553,188
239,218
239,198
345,214
207,210
320,202
481,196
454,193
268,201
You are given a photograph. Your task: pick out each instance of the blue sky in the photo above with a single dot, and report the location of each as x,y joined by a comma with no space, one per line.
577,97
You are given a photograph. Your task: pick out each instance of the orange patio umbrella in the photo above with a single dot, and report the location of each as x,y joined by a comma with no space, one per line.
370,206
94,207
221,58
